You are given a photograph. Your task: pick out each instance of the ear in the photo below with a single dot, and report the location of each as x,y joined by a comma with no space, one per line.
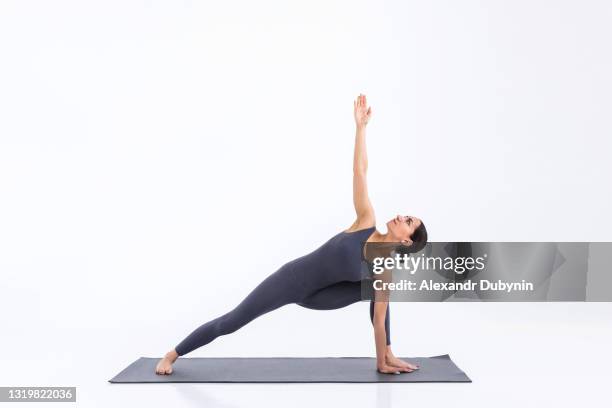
407,241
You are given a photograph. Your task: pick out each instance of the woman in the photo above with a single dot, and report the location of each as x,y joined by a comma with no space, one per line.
328,278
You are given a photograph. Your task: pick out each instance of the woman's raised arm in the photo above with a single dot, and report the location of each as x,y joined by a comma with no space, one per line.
361,200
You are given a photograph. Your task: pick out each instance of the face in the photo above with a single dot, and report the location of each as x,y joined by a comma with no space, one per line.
402,227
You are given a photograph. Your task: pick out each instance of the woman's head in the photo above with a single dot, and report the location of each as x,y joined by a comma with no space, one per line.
408,230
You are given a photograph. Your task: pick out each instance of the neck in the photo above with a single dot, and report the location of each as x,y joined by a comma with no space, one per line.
386,237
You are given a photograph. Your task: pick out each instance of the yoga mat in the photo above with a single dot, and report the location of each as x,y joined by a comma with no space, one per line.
289,370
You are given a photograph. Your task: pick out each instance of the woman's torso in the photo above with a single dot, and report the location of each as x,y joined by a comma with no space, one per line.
339,259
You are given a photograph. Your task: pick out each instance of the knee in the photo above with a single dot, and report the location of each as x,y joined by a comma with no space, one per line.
227,324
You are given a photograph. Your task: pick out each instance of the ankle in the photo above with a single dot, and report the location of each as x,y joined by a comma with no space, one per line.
172,355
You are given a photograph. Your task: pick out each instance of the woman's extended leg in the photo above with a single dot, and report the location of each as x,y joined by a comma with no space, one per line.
276,290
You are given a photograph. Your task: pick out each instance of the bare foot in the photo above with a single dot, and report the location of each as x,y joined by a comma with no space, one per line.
164,366
393,361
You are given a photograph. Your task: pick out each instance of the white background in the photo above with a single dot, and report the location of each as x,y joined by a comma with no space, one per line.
158,159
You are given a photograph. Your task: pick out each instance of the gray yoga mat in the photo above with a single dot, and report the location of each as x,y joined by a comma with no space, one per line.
289,370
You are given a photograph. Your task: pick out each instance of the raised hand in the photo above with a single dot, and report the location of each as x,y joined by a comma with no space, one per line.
362,111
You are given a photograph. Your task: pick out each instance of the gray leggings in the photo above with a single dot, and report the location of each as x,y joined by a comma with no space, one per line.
277,290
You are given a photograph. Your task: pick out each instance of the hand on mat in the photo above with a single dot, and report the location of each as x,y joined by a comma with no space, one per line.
393,361
362,111
387,369
396,362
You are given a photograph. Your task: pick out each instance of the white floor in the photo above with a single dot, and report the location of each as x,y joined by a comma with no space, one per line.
517,354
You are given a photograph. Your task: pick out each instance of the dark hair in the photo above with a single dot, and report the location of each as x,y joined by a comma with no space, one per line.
419,239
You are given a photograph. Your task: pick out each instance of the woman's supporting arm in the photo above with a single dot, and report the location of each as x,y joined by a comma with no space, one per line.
380,339
361,200
380,334
381,303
